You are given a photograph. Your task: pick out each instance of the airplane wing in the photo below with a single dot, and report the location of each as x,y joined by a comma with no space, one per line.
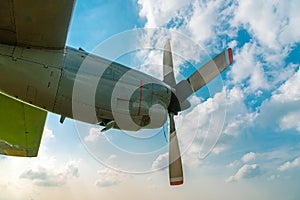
35,23
21,127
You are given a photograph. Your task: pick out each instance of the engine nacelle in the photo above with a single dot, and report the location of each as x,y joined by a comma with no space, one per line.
146,108
149,105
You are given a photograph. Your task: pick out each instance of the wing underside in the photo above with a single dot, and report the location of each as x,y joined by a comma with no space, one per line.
21,127
35,23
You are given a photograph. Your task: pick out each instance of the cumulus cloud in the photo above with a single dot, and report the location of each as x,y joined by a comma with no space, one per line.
109,177
229,100
197,122
48,134
202,21
218,149
158,13
290,90
283,106
290,165
260,22
262,59
248,157
194,23
248,68
234,164
150,57
245,172
47,140
51,177
245,159
199,119
290,121
161,161
270,24
206,27
94,135
269,21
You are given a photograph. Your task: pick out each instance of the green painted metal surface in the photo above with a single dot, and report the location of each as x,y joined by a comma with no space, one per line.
21,127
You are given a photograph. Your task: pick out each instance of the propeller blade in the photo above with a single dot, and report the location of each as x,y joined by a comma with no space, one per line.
168,65
203,75
175,164
169,79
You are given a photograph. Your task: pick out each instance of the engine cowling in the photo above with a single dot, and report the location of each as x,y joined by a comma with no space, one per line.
148,105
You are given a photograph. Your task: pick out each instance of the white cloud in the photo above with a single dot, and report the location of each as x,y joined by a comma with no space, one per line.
48,134
259,21
161,161
150,57
94,135
226,99
204,17
290,90
232,44
196,19
198,24
160,12
283,106
261,61
237,115
290,121
152,65
271,24
291,32
218,149
248,157
47,137
241,121
269,21
206,27
191,157
234,164
247,67
194,100
48,177
245,158
205,122
109,177
245,172
198,119
290,165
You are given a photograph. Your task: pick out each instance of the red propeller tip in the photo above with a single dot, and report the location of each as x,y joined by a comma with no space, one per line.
177,183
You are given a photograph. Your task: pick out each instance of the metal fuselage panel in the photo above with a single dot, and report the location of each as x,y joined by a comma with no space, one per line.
31,75
85,87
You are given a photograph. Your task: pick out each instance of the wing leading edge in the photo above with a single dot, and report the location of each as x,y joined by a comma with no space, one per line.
21,127
35,23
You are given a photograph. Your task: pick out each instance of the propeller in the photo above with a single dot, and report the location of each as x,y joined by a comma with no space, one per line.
180,92
175,163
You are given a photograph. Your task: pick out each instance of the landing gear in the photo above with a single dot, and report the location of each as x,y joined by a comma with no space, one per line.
107,123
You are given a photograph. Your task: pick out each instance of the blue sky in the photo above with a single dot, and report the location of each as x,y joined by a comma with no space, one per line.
257,154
